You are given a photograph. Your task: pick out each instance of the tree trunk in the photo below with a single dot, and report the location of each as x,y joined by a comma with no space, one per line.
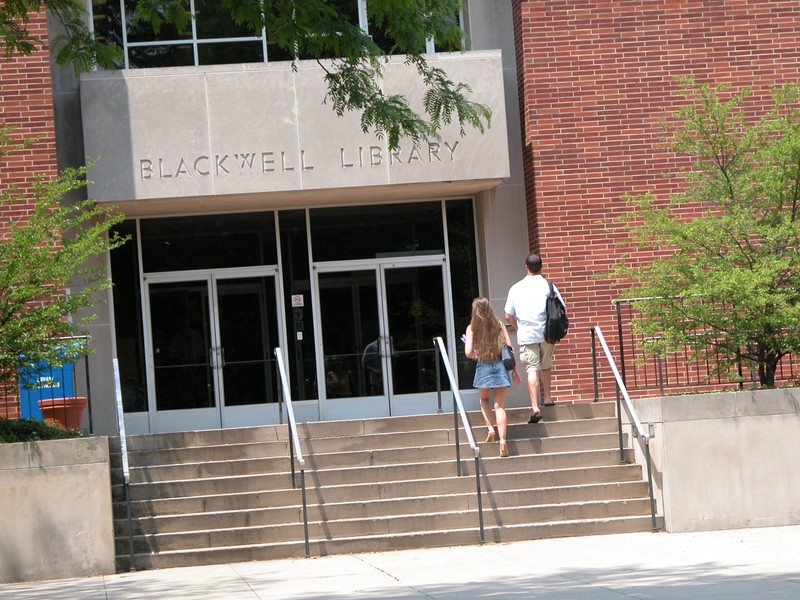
767,366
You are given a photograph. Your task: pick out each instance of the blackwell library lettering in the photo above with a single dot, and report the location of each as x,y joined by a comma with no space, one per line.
375,156
222,164
268,162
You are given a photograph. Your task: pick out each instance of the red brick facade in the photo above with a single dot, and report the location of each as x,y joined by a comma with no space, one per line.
26,103
594,76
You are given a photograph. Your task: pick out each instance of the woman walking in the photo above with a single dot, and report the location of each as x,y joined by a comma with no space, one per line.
484,337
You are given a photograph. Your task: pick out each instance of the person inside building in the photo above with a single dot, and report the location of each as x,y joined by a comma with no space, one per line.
339,381
525,311
484,337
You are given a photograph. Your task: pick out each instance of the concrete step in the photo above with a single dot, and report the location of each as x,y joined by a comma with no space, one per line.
427,539
383,525
280,449
349,458
371,484
553,416
367,492
377,508
370,474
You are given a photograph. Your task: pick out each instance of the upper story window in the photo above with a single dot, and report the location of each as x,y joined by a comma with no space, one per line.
210,38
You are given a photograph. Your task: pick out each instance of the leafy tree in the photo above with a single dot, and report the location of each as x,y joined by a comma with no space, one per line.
308,29
44,277
726,280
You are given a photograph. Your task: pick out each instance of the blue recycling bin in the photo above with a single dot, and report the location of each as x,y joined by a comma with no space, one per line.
43,381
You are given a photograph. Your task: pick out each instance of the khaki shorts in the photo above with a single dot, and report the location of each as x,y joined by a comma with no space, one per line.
536,357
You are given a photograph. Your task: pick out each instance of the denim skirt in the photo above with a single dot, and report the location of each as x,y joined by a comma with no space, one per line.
491,375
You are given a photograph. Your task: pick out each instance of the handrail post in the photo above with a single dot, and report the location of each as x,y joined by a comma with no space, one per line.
480,500
458,442
458,411
294,441
653,524
621,342
291,457
619,427
280,406
123,449
636,425
594,365
437,358
88,393
305,510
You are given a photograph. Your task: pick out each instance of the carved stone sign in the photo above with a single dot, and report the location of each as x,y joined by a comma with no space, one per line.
245,129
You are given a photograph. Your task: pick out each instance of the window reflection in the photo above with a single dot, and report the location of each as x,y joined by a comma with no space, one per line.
232,43
208,242
359,232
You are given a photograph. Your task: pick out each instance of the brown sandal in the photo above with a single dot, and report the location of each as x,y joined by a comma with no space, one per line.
503,450
492,437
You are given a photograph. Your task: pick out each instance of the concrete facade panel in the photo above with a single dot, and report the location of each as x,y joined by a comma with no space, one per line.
716,455
61,502
193,132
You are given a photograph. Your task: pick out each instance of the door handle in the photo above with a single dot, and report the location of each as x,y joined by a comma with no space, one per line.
216,357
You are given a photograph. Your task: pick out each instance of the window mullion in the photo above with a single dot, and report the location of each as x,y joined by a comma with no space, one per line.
195,51
124,21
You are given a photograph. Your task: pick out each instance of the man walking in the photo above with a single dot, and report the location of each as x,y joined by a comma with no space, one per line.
526,313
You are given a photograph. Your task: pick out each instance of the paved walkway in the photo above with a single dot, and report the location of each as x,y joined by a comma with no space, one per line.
745,563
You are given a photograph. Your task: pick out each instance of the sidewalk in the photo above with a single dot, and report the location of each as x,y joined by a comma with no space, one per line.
743,563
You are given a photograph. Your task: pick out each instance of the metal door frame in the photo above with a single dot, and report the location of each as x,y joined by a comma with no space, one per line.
379,266
212,417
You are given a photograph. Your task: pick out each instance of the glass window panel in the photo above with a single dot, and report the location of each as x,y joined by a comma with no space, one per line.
301,341
213,20
128,321
463,276
230,53
275,53
208,242
442,46
349,317
347,8
179,315
248,326
141,57
107,21
359,232
416,315
140,31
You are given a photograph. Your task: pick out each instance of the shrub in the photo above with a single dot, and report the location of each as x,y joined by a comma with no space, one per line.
32,430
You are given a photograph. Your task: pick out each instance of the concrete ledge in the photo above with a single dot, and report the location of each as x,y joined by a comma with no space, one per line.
727,460
56,505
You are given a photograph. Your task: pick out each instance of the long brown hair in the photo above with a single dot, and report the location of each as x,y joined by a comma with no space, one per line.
486,331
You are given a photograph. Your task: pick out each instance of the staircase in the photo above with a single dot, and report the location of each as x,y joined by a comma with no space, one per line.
222,496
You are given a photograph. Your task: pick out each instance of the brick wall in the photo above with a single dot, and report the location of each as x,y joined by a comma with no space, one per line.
594,77
26,103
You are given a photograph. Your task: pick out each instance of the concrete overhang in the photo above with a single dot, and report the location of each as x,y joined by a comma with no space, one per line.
239,137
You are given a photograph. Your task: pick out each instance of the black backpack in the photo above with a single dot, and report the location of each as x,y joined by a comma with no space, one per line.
557,323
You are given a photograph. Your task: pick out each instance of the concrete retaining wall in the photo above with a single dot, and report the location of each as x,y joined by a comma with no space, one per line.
726,460
55,501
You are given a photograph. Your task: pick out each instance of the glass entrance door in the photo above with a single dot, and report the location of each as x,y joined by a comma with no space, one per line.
210,361
378,321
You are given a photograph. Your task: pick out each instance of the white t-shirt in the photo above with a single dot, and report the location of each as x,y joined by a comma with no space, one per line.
527,301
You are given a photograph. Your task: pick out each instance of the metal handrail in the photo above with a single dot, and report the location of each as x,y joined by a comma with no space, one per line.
294,439
123,449
638,429
458,411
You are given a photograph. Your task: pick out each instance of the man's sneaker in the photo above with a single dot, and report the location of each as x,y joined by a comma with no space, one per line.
535,418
